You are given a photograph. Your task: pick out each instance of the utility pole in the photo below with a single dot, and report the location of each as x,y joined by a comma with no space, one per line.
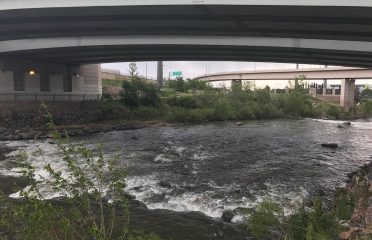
254,81
296,80
160,74
146,71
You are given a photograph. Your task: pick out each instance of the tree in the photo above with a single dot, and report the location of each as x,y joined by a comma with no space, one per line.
133,71
137,92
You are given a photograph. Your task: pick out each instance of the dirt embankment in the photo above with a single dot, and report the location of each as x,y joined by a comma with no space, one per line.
22,121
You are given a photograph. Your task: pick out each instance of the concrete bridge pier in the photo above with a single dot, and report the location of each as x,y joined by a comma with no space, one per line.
236,85
325,86
347,93
160,74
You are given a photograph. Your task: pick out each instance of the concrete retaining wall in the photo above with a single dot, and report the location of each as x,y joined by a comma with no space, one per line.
50,81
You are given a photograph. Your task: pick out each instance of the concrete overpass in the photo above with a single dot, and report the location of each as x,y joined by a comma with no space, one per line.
332,73
70,33
332,32
346,74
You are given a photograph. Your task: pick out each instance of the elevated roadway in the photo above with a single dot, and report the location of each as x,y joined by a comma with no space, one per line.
332,73
346,74
54,38
333,32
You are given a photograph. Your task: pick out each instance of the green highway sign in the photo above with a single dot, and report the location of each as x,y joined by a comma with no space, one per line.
177,74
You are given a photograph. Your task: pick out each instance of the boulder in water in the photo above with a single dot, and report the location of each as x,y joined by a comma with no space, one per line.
165,184
239,124
227,216
330,145
340,126
347,123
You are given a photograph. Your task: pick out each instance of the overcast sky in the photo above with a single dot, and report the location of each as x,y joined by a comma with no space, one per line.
193,69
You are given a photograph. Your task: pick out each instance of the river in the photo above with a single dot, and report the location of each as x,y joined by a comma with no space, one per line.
211,168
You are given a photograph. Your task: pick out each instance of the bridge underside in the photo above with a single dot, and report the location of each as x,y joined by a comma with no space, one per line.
175,52
79,32
73,32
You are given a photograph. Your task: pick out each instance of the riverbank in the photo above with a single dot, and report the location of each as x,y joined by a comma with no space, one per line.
25,121
77,130
358,192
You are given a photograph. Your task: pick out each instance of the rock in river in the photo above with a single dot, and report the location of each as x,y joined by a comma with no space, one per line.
330,145
227,216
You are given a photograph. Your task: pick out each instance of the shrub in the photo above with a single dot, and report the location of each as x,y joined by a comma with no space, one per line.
148,112
343,206
262,96
187,102
137,92
367,107
245,112
222,111
294,103
334,111
266,220
189,115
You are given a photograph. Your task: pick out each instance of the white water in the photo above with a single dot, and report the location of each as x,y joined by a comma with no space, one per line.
212,169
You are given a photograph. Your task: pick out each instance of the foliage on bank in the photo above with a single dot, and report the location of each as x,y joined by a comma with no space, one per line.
194,101
269,222
346,218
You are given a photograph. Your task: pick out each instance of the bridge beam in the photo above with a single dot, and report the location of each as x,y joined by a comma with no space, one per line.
347,93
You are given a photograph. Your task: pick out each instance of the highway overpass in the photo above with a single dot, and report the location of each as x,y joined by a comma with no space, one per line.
332,32
346,74
70,33
332,73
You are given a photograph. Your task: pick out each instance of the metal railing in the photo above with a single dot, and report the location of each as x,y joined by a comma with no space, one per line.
47,97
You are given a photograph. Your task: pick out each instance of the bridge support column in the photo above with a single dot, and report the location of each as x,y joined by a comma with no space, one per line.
236,86
347,93
160,74
325,86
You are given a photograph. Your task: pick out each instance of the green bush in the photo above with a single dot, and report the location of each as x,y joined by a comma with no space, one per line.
266,220
107,110
334,111
148,113
188,102
296,225
222,111
367,107
262,96
317,224
189,115
245,112
294,103
137,92
343,206
269,222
